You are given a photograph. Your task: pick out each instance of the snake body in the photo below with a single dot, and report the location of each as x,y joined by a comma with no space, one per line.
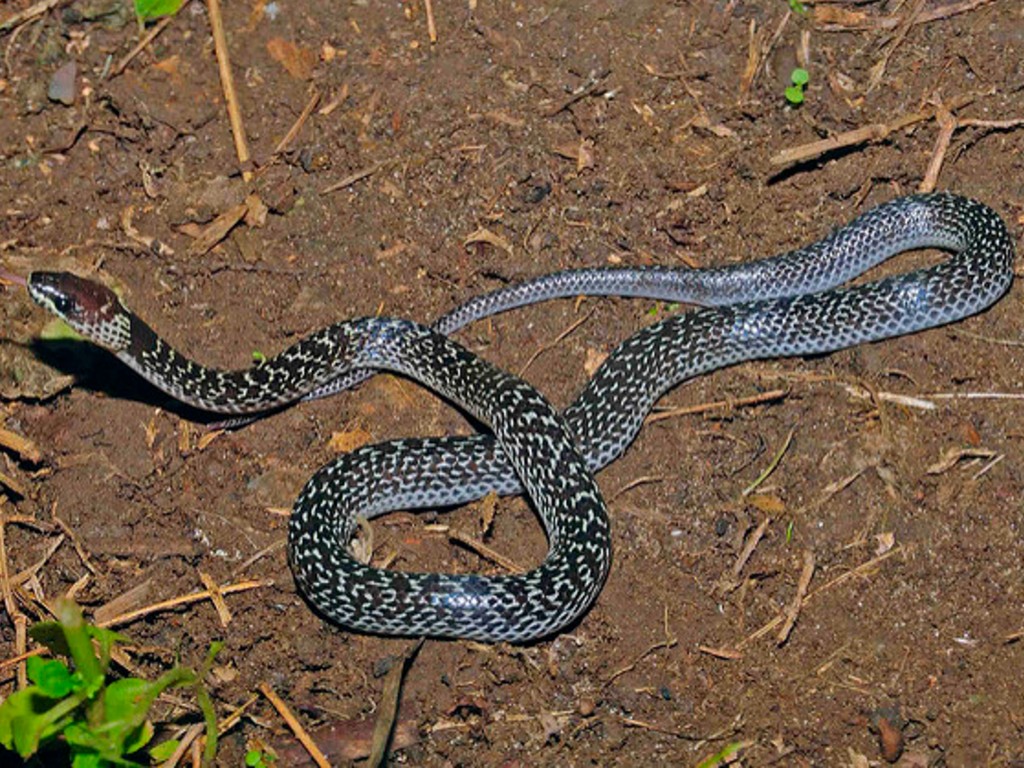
787,305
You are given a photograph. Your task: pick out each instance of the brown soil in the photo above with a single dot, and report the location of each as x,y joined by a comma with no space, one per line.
468,134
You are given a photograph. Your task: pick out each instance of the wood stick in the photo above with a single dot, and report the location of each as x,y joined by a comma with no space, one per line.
220,45
868,134
431,27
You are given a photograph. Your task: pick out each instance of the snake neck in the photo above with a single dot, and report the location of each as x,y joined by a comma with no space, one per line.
282,379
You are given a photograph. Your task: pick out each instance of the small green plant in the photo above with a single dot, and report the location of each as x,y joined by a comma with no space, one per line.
102,722
258,357
797,7
258,758
659,307
795,92
147,10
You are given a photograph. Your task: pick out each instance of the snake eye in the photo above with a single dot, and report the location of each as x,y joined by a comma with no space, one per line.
64,305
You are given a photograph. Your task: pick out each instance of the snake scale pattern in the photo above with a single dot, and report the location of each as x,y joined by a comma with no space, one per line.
786,305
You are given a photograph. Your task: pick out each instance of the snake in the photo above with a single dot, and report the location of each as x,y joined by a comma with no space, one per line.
796,303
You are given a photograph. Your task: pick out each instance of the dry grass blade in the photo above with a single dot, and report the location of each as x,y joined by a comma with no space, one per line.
554,342
177,602
389,706
352,178
772,465
669,641
299,122
300,733
485,551
729,654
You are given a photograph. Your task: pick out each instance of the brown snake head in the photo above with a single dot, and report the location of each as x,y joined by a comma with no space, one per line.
90,308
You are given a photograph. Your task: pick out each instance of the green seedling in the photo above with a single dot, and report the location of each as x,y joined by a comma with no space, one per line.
257,758
258,357
102,722
795,92
797,7
147,10
659,307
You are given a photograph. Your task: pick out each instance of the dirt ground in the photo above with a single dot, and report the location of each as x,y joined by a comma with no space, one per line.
529,138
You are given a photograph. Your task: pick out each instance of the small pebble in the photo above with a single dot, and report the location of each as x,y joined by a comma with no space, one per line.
62,84
586,707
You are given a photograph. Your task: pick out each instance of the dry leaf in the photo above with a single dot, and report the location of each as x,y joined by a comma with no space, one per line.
886,541
169,65
255,211
343,442
483,235
767,503
831,14
585,156
296,59
488,506
952,456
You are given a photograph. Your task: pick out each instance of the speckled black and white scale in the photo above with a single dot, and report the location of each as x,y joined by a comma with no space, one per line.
787,305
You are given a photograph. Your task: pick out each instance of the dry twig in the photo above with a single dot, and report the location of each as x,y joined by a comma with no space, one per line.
868,134
300,733
727,405
798,600
227,81
149,37
29,13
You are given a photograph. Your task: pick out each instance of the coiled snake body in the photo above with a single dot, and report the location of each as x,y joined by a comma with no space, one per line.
786,305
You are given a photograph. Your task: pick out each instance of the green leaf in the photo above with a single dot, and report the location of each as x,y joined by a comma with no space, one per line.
23,721
800,76
52,677
50,634
797,7
795,94
163,751
139,738
154,9
80,736
125,705
253,758
87,760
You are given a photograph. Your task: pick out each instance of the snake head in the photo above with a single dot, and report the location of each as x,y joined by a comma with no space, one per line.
90,308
